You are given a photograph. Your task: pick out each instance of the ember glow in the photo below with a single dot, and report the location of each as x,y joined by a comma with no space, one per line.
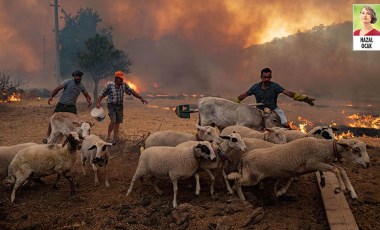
345,135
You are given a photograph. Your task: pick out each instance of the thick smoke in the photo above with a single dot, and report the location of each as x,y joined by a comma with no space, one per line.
197,46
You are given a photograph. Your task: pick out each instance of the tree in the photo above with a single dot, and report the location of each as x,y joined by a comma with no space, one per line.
73,35
102,59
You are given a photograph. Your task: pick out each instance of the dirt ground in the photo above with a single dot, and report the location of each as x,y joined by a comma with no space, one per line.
97,207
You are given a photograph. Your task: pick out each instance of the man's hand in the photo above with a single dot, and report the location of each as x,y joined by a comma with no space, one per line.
143,101
304,98
236,100
50,100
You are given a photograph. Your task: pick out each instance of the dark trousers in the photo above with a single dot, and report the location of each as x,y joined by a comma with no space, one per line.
65,108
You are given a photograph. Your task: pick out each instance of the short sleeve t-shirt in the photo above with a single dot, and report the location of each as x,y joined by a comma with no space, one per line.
71,92
266,96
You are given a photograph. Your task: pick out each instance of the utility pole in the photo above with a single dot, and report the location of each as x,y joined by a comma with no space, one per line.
57,53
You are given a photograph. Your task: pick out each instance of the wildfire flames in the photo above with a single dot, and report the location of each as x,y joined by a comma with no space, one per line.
364,121
14,97
133,86
356,121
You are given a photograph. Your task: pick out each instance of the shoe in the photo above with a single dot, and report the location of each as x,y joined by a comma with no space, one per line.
44,141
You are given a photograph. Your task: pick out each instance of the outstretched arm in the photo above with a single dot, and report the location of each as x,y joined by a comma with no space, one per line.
240,98
88,98
139,97
299,97
55,91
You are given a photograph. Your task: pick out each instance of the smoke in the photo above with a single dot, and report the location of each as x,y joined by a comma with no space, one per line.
185,46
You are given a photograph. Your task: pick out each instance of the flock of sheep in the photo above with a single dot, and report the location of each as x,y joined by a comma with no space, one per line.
242,143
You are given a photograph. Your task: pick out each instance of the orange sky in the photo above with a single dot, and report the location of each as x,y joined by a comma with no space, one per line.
208,25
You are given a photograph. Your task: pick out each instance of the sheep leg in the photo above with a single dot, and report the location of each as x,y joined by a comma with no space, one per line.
198,185
56,181
229,189
347,183
95,169
106,176
175,190
212,178
83,166
19,181
71,182
285,188
312,166
239,191
154,184
53,138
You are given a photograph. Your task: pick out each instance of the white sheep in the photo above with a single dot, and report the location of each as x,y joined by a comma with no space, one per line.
275,134
95,150
63,123
231,142
320,132
7,153
174,138
302,156
43,160
173,162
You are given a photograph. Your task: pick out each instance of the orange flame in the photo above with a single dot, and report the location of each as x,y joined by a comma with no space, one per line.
133,86
364,121
346,135
12,98
305,123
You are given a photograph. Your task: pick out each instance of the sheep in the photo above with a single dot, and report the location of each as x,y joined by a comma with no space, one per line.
299,157
43,160
63,123
232,141
222,113
275,135
320,132
7,153
174,138
95,150
173,162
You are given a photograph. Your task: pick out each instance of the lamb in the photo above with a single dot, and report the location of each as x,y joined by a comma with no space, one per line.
173,162
299,157
7,153
275,135
63,123
231,142
43,160
95,150
174,138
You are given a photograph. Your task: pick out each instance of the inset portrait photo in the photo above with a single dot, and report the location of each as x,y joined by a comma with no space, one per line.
366,27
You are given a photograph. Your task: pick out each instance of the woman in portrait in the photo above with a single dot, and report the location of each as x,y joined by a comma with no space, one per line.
367,17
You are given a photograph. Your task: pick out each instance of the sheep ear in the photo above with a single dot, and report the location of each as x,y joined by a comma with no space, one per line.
225,137
318,131
346,146
76,123
92,147
91,123
110,144
200,127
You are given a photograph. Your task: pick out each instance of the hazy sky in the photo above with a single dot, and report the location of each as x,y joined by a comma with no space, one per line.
207,28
